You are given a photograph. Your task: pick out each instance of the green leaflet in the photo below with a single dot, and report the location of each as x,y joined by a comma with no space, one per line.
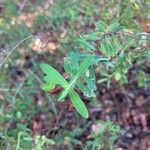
114,27
48,86
89,89
116,42
128,42
91,73
86,44
84,65
78,104
92,36
54,75
67,67
117,76
47,78
103,48
109,64
110,47
101,26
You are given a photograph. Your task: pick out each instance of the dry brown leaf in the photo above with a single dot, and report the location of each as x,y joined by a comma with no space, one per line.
36,125
52,46
145,24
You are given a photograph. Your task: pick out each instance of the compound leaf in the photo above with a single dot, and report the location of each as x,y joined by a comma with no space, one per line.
84,65
86,44
114,27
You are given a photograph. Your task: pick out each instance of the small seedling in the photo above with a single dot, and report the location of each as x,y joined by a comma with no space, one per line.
54,78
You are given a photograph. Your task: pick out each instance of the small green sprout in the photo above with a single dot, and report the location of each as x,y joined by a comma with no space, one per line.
54,78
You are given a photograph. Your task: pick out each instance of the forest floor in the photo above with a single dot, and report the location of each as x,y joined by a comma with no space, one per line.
25,107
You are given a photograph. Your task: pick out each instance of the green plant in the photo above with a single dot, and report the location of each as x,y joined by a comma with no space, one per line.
106,40
104,134
39,141
53,78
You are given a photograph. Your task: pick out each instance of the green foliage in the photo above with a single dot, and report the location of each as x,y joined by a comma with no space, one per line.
142,78
57,79
40,141
105,134
107,39
25,140
10,8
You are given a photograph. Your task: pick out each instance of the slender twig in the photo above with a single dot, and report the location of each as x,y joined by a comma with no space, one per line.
1,63
35,76
135,36
18,89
